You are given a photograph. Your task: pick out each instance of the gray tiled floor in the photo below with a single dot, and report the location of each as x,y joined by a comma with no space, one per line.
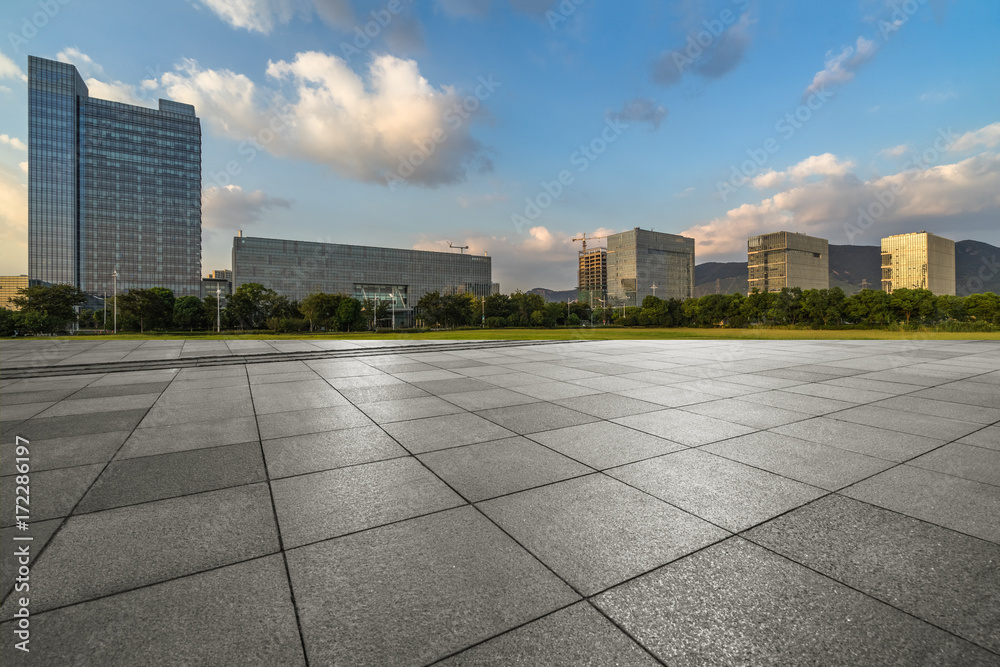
638,503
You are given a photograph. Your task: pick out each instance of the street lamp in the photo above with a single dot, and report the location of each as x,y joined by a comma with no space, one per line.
115,276
218,309
654,290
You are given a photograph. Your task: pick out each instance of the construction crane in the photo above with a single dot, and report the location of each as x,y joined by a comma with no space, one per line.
461,248
585,238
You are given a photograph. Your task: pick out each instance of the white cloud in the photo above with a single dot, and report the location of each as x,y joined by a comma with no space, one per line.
640,110
959,199
13,222
705,53
938,96
840,68
23,166
988,136
94,76
5,89
824,165
895,151
231,208
10,70
257,15
321,110
13,142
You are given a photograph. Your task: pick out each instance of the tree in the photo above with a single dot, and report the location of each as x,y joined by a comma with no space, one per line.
250,305
48,307
907,302
869,307
189,312
8,324
459,309
318,306
983,307
349,316
152,308
431,308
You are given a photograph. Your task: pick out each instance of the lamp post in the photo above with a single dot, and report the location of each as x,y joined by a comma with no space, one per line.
654,290
393,307
218,309
115,276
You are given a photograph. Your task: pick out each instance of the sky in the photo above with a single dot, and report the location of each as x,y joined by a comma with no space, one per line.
514,127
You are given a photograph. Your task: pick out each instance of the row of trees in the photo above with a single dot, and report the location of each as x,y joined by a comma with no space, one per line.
46,309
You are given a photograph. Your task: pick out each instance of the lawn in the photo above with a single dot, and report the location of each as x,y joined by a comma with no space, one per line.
565,334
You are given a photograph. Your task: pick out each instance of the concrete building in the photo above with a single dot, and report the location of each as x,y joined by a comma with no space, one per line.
788,259
111,188
920,260
592,281
645,263
298,268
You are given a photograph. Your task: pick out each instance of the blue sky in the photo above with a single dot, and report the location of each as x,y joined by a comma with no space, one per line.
456,120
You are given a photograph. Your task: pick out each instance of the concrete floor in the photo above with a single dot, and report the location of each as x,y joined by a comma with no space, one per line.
631,503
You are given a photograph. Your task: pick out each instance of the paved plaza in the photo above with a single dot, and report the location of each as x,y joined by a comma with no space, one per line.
604,503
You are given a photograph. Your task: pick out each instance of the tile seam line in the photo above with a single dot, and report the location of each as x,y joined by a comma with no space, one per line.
65,519
277,528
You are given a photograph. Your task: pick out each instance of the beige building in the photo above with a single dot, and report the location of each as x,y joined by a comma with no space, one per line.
593,276
788,259
9,285
645,263
918,261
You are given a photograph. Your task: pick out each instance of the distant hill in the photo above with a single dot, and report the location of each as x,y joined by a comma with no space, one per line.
977,269
554,296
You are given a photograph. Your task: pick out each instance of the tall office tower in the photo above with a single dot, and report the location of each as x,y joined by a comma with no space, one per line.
593,276
788,259
643,263
918,261
111,188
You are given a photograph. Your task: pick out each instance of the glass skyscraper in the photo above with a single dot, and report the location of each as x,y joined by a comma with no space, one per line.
111,187
645,263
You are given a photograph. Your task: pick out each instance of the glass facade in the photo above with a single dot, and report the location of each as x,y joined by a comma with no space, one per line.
112,187
10,286
788,259
639,259
296,269
918,261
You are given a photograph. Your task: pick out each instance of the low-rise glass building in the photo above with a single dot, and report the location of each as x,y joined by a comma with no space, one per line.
787,259
645,263
920,260
396,276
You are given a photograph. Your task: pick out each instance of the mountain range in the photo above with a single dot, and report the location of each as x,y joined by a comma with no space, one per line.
977,269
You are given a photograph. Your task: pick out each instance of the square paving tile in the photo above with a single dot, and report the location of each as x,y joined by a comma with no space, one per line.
327,398
464,428
908,422
595,532
938,408
317,420
457,385
952,502
603,444
534,417
811,405
191,435
86,406
382,392
131,481
576,635
240,614
336,502
987,437
491,398
936,574
967,461
684,427
869,440
735,603
746,413
668,395
417,591
52,493
550,391
75,426
490,469
408,408
608,406
63,452
98,554
727,493
40,533
332,449
810,462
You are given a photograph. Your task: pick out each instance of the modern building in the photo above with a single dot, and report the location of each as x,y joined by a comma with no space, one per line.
219,281
9,286
788,259
920,260
112,187
645,263
593,276
396,276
